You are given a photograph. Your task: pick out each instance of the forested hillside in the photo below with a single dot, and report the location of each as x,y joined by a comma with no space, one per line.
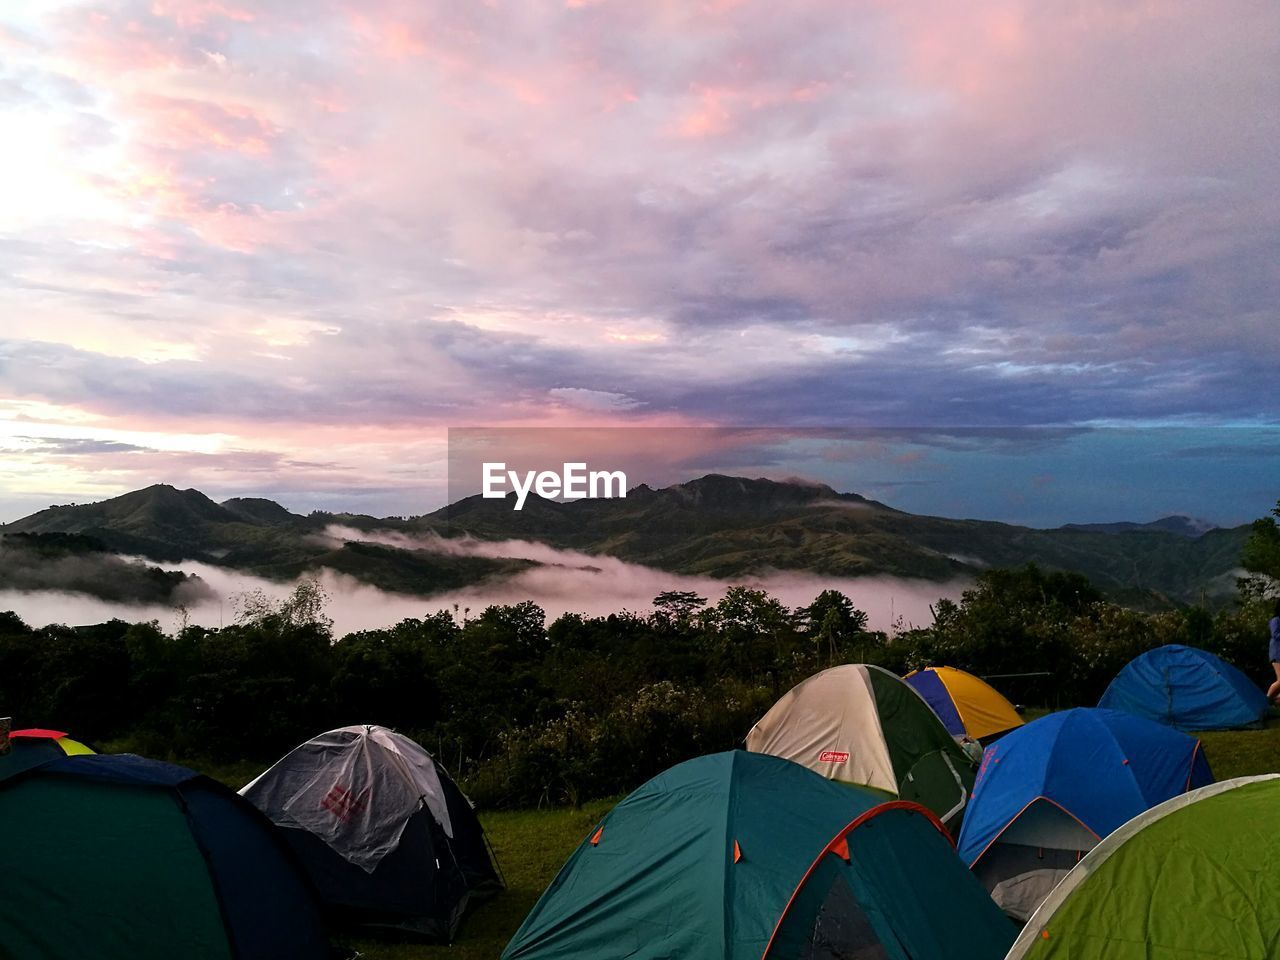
725,527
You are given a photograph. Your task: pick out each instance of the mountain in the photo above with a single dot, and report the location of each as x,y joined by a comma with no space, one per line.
726,526
254,535
166,524
716,525
1183,526
258,510
76,563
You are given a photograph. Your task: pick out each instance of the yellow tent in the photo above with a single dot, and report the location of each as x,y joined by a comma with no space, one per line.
52,738
966,705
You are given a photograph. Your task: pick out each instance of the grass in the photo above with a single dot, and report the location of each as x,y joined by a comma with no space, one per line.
531,845
1243,753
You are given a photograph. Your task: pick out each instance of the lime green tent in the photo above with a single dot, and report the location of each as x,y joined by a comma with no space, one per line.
738,855
1195,876
859,723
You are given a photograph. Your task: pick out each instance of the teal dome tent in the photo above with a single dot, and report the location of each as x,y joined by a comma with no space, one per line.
740,855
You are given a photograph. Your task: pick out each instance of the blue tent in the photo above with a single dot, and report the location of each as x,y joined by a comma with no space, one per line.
1049,791
1187,688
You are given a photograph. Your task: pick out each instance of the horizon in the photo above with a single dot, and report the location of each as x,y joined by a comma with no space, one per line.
336,510
251,248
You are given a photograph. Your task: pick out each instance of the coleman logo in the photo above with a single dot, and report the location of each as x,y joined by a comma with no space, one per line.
833,756
343,804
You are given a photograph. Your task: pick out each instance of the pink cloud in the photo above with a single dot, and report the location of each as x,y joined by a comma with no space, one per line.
116,43
710,117
186,125
190,14
700,210
394,39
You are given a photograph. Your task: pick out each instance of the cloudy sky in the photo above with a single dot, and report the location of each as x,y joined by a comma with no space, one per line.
280,248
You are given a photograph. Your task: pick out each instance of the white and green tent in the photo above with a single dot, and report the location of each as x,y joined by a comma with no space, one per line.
1195,876
859,723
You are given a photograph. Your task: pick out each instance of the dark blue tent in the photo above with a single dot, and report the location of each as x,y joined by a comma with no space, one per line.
1187,688
1049,791
117,856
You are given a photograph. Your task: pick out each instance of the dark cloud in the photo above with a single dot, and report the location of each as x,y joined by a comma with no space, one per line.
80,446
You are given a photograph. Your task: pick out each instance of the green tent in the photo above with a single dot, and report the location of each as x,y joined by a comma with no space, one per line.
1194,877
121,858
858,723
739,855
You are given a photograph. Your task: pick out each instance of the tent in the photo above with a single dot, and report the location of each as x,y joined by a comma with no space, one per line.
861,724
1048,791
59,741
31,748
967,706
1193,877
742,856
120,857
386,837
1187,688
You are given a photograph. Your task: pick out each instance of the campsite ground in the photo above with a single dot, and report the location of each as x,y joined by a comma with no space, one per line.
532,844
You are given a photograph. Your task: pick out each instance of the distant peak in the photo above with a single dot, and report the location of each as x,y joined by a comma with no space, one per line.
1190,526
760,483
257,509
166,490
1183,526
717,488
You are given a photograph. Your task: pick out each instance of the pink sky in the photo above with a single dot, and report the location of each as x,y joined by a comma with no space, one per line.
279,249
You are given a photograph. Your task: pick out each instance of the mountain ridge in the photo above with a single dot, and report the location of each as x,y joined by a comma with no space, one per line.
715,525
1174,523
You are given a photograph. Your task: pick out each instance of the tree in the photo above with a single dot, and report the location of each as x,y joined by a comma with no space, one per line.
391,673
12,624
677,606
745,610
752,633
521,624
833,623
1013,621
303,607
1261,557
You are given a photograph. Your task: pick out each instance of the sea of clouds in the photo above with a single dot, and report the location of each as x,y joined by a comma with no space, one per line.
565,581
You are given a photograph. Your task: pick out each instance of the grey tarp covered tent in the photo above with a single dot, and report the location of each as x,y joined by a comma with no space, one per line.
387,837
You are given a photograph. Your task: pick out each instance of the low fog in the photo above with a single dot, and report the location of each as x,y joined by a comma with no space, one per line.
24,571
568,581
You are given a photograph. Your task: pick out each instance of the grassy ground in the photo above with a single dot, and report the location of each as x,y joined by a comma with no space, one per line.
532,844
1243,753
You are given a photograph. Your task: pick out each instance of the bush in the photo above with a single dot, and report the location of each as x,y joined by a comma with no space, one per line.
577,756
